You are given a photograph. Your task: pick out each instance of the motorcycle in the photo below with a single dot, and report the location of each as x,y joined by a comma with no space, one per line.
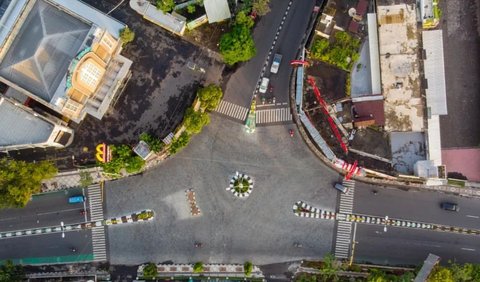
291,132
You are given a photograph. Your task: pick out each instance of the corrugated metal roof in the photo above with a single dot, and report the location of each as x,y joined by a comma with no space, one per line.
374,53
19,127
217,10
435,71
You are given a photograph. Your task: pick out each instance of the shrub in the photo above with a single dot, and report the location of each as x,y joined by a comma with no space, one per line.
210,96
248,267
165,5
198,267
126,35
191,9
179,143
150,271
85,179
194,121
342,52
261,7
123,157
154,143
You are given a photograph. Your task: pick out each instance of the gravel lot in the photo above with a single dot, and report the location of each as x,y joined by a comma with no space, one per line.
261,228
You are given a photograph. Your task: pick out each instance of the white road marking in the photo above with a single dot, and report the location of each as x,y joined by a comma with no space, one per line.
473,216
468,249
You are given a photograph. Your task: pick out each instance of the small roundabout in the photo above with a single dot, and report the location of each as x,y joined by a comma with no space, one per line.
241,185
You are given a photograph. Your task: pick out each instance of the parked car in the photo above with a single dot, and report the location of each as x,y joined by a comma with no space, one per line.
449,206
76,199
264,85
340,187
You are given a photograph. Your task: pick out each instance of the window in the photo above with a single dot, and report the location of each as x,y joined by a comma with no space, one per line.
90,74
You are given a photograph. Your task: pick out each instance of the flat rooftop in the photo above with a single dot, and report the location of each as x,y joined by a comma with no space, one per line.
399,64
17,126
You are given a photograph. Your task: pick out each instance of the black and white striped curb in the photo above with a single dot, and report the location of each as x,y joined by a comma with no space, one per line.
277,34
144,215
239,177
302,209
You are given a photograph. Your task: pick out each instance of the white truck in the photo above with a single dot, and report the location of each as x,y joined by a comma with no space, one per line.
277,59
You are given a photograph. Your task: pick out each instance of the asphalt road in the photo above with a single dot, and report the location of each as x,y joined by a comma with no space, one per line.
288,43
416,205
261,228
44,248
409,246
242,83
44,210
400,246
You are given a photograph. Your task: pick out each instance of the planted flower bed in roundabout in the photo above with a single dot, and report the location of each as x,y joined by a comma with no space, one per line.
241,185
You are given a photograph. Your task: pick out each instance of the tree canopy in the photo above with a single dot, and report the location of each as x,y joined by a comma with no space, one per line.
150,271
210,96
10,272
179,143
19,180
126,35
238,45
260,7
198,267
123,157
194,121
155,144
248,267
165,5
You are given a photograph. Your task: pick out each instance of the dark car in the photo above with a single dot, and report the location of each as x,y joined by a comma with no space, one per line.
340,187
449,206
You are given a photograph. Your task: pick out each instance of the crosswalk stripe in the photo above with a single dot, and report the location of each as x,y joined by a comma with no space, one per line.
232,110
273,115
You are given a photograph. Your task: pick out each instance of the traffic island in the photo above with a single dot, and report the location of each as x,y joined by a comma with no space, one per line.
241,185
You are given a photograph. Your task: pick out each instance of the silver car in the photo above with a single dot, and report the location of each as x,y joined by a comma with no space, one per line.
264,85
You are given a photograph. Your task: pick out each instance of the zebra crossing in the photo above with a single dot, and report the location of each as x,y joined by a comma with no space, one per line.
232,110
95,199
273,115
343,240
346,199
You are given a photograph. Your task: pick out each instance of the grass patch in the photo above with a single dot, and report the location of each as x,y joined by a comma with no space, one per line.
456,182
342,52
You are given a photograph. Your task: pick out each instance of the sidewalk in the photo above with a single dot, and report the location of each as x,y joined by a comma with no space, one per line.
70,179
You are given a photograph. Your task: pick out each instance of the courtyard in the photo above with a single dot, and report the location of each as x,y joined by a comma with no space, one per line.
261,228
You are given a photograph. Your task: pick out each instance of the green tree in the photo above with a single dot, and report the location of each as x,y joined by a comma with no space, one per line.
150,271
261,7
10,272
153,142
85,179
248,267
19,180
191,9
179,143
165,5
441,274
210,96
126,35
329,269
194,121
243,19
237,45
198,267
123,157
